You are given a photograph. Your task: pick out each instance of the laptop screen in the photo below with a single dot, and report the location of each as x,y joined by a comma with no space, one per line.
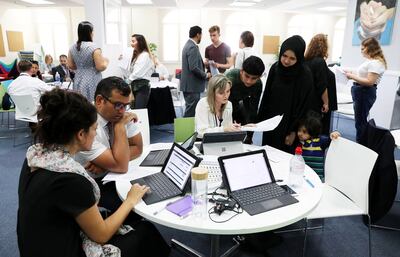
246,171
179,166
188,144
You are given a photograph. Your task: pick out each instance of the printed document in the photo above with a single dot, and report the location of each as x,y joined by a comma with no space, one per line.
341,76
213,68
125,59
265,125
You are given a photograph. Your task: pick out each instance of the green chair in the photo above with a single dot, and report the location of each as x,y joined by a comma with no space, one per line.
2,93
183,128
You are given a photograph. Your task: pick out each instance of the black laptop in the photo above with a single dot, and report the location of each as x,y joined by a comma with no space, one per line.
250,181
158,157
173,178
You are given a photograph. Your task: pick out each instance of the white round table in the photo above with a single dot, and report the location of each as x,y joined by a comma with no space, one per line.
308,195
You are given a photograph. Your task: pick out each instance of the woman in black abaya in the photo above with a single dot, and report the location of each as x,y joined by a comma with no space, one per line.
288,91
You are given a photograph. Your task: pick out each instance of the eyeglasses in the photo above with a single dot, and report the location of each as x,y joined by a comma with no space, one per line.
118,105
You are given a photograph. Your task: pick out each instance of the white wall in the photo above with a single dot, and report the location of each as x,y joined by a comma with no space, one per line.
29,21
351,54
148,21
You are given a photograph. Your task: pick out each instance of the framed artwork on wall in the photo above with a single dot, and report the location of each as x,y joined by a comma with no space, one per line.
374,18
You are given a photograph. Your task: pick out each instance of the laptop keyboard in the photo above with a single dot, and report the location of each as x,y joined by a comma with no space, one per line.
258,193
161,156
214,173
162,186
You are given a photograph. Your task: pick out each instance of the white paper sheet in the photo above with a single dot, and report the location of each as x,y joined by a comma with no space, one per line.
213,68
265,125
341,76
126,58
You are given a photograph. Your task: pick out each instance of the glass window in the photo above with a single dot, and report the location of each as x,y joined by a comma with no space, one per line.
236,23
338,38
113,21
301,25
176,25
53,32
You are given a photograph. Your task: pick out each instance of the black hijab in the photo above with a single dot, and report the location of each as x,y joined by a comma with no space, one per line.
298,46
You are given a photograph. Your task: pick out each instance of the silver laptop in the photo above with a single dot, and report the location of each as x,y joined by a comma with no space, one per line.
223,143
249,180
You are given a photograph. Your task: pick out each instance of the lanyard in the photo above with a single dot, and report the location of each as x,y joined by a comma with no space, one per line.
218,121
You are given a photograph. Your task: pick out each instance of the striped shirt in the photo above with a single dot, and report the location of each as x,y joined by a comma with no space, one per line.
314,153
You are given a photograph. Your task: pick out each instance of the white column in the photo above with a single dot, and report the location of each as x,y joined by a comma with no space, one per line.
95,11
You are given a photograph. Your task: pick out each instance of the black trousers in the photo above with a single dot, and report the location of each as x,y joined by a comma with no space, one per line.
363,99
143,241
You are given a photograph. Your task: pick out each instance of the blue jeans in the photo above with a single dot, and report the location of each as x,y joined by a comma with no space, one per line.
363,99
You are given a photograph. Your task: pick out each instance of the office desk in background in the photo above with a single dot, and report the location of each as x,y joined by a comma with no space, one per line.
161,106
308,197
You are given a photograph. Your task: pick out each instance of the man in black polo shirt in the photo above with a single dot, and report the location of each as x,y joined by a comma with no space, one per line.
246,92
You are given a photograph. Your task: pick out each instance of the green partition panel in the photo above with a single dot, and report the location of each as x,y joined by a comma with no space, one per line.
183,128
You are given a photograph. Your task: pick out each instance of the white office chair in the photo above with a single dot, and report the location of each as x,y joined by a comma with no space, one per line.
25,110
348,167
177,96
143,125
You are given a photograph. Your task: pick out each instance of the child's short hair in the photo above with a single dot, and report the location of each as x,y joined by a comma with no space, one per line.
312,123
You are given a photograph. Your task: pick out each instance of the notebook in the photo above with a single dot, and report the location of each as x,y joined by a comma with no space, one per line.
173,178
250,181
158,157
222,143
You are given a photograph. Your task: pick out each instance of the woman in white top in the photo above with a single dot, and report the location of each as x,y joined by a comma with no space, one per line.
368,76
246,50
214,112
48,63
140,70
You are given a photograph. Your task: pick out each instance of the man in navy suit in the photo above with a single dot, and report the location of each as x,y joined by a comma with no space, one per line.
193,78
65,73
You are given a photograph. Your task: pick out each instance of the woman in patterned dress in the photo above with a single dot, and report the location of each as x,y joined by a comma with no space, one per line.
86,58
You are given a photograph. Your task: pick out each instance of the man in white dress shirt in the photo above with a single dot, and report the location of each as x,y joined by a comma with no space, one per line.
118,139
25,84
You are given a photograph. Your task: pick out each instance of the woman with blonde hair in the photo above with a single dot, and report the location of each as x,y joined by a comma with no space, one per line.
48,63
366,79
325,100
214,112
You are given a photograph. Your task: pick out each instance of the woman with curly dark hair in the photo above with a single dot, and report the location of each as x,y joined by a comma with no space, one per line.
58,212
325,100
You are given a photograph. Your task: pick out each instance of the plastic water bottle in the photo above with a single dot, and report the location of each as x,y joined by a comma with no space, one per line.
57,79
199,192
297,166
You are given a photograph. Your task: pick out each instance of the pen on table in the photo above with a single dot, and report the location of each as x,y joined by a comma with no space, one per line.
309,182
163,208
186,215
